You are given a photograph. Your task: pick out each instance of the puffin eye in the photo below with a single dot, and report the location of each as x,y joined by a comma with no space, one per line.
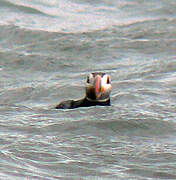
88,80
108,80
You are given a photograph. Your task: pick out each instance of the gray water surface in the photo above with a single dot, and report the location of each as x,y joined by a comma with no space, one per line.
47,48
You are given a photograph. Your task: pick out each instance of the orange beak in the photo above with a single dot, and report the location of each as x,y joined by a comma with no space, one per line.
97,85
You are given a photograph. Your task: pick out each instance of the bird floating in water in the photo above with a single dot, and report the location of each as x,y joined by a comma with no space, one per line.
98,88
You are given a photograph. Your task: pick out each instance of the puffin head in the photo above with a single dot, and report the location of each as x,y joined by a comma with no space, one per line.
98,87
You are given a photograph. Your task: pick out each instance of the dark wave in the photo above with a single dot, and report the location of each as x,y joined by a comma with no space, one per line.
22,8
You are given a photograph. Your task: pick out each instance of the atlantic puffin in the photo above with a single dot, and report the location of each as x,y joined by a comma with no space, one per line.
97,92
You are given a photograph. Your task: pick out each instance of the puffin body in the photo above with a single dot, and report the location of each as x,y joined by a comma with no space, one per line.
98,88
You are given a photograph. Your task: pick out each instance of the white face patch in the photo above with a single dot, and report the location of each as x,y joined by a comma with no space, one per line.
106,83
90,80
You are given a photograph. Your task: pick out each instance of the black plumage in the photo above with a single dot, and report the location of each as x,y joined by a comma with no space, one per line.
71,104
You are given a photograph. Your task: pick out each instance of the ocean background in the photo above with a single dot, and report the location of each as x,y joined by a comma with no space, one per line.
47,48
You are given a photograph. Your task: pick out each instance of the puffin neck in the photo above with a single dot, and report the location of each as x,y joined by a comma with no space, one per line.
98,100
